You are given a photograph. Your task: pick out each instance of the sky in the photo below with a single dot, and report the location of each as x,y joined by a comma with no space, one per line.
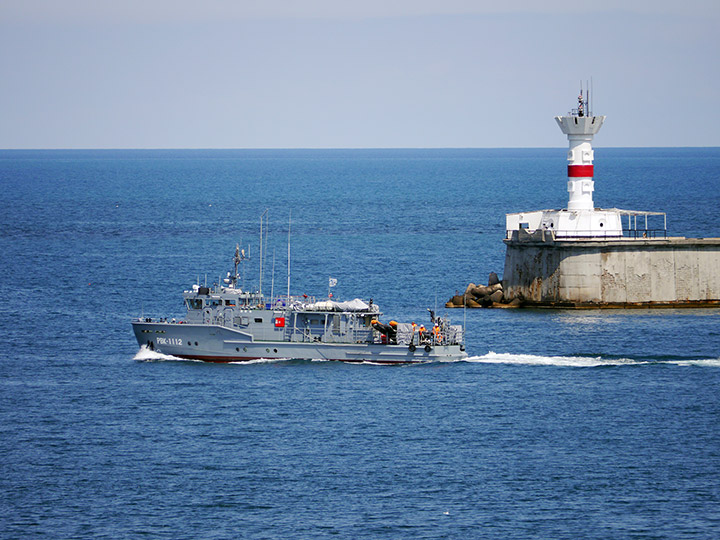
339,74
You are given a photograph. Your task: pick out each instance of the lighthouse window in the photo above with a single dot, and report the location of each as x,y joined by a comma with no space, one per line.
258,319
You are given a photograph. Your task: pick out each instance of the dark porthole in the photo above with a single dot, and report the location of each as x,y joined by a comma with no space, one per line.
189,344
196,343
274,350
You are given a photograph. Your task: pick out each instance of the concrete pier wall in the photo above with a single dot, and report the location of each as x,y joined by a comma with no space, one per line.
612,272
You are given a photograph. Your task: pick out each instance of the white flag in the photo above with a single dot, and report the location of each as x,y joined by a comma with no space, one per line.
333,282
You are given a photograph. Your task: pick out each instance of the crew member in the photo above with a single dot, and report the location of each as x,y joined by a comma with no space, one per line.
436,334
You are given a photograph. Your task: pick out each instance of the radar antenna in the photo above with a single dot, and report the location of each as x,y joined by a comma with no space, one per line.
238,258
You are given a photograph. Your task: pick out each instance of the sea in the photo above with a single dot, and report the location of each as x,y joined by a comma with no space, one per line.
592,424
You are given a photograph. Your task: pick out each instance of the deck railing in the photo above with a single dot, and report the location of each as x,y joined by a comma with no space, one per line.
549,235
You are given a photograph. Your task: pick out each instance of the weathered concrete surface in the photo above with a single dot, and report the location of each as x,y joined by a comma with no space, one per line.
667,272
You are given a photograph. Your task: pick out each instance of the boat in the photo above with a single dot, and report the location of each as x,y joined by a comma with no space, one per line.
226,323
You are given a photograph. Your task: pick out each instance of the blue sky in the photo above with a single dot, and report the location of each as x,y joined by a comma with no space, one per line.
371,74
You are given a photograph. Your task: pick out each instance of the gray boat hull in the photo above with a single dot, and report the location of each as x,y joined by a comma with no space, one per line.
215,343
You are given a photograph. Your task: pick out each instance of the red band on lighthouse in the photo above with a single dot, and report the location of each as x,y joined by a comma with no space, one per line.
580,171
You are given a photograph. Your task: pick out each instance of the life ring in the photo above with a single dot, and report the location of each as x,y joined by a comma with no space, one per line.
412,347
428,348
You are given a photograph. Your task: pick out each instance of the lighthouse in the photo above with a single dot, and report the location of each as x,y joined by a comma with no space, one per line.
587,257
580,219
582,256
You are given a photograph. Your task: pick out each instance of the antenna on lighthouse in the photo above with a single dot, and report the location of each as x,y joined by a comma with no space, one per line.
587,98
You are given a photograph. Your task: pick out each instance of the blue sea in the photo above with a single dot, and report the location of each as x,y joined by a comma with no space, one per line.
560,425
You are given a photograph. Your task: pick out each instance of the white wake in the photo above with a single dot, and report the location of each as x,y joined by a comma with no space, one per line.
708,362
581,361
147,355
534,360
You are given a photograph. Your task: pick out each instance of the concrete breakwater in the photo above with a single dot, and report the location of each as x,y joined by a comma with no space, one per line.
541,271
582,256
663,272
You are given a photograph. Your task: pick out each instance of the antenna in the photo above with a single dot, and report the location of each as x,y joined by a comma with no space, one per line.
288,276
464,318
587,98
262,217
267,230
236,261
242,268
272,281
239,258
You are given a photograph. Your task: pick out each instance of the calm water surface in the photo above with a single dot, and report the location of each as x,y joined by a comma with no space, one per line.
562,424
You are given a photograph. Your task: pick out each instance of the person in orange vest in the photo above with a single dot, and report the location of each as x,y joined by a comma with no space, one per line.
423,334
437,338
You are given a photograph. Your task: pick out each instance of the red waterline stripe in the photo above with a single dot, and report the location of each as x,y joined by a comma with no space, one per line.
580,171
228,359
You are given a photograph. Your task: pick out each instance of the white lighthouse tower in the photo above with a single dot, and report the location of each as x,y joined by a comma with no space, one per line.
580,219
580,130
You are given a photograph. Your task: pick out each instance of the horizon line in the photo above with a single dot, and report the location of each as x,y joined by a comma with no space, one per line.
269,148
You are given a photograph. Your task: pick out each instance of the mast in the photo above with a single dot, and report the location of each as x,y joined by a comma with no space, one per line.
272,280
267,230
239,258
262,218
236,260
288,273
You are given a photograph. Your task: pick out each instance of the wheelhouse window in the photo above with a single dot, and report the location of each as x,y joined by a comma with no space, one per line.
194,303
